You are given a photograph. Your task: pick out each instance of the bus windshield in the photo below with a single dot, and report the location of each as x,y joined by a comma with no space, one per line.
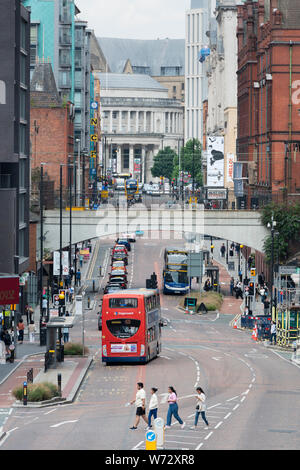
124,328
176,259
177,277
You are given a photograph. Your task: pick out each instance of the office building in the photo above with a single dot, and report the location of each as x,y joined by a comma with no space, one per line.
14,136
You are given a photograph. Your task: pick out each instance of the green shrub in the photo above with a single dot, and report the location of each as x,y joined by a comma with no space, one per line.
74,349
37,392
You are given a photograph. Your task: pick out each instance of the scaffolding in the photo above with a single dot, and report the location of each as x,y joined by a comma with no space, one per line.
288,316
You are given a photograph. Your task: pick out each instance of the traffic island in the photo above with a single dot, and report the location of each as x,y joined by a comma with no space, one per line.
202,302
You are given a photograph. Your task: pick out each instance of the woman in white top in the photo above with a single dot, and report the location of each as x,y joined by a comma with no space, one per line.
200,407
153,405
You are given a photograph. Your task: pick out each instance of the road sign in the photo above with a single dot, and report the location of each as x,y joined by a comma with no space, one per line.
56,300
94,105
151,440
253,272
287,270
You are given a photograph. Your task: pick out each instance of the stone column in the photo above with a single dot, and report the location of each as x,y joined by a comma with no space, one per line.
151,122
137,122
143,162
119,159
131,156
128,123
110,122
145,122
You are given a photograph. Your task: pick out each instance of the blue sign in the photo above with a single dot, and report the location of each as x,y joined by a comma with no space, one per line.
150,436
94,105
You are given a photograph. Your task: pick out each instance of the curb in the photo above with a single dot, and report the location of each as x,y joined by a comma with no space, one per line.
58,400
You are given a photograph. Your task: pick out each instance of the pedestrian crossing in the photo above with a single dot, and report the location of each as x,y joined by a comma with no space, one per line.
194,439
4,414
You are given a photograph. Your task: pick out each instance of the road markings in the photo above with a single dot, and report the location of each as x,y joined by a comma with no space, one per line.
219,424
227,416
62,423
236,407
208,435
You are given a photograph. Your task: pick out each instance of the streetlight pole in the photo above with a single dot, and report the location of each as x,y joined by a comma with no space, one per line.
78,175
272,226
41,242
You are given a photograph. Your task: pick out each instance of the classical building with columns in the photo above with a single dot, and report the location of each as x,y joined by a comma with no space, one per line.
137,120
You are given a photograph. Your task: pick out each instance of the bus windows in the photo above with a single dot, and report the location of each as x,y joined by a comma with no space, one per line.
125,328
120,302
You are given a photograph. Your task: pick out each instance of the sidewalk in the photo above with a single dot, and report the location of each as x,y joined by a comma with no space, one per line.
31,356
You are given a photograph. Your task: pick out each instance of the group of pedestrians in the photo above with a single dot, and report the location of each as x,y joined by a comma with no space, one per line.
140,403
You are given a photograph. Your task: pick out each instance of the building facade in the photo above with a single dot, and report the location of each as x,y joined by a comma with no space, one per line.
50,117
268,143
14,136
138,120
221,67
197,25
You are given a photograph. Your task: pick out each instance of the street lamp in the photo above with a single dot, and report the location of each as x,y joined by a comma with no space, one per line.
77,185
271,225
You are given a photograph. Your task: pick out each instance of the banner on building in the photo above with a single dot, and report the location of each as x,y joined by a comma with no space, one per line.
215,161
64,262
230,163
238,179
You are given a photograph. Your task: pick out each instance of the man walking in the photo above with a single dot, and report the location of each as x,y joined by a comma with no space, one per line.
140,403
273,332
78,278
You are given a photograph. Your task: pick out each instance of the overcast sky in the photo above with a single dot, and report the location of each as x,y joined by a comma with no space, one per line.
135,19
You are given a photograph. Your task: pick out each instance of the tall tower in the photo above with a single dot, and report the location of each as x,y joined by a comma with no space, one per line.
197,26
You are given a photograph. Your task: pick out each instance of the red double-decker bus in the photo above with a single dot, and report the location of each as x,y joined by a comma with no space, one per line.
131,326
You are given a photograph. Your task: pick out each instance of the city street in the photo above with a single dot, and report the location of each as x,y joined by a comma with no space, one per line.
253,393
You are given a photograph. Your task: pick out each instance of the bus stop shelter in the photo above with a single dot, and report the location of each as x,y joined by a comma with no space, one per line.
55,346
212,273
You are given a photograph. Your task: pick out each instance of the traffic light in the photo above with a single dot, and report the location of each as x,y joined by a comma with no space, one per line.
154,281
251,288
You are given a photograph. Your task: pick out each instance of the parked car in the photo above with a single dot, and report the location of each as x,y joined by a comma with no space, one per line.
119,256
112,287
118,280
129,236
125,242
118,264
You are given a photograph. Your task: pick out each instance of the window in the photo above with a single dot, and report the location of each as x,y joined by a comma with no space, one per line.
78,58
170,71
115,114
64,58
23,35
78,78
125,328
141,70
77,99
64,79
22,104
22,139
22,208
22,172
23,69
123,303
22,234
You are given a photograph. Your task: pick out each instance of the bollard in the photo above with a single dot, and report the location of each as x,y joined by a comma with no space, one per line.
59,384
25,393
150,440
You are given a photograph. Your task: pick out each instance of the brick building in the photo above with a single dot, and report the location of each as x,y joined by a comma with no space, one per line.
52,126
268,143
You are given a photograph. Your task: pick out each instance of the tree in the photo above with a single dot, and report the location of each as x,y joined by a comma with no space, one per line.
287,219
191,161
163,163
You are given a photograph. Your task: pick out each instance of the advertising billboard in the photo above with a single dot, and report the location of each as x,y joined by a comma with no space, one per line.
215,161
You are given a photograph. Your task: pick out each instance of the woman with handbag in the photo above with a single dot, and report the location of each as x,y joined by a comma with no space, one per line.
200,407
173,408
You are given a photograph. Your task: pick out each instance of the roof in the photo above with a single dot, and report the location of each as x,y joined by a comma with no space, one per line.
153,54
134,81
43,90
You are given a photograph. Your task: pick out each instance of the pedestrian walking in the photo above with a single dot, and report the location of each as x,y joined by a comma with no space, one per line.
81,260
273,333
173,408
78,278
153,405
140,403
266,306
7,342
223,250
31,330
232,286
200,407
238,290
71,294
20,328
